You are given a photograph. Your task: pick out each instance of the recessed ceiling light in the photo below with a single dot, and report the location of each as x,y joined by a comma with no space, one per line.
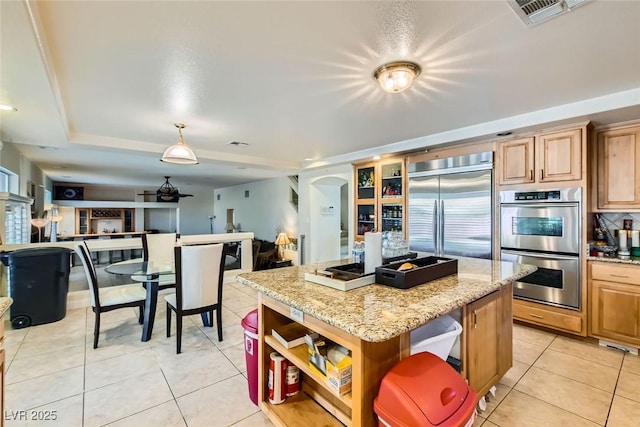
7,108
505,133
239,144
308,159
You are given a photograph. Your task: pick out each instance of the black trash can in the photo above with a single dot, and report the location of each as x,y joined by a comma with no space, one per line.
38,282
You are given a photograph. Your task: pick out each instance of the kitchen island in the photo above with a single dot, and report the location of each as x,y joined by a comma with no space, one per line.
374,322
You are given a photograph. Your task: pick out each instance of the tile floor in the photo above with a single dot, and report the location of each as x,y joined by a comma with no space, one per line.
555,380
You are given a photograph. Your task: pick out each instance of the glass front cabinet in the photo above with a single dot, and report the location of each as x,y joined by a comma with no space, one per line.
380,196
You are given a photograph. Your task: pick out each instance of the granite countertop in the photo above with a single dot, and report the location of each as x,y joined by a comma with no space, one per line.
377,313
632,260
5,302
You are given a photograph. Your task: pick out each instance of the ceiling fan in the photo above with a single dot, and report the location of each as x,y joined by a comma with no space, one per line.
166,192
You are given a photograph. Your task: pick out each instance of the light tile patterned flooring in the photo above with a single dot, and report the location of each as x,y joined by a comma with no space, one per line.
555,380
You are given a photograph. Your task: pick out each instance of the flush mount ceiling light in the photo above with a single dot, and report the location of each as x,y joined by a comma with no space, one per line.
179,153
396,76
4,107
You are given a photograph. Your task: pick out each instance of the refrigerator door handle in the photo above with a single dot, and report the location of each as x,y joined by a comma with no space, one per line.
441,234
435,226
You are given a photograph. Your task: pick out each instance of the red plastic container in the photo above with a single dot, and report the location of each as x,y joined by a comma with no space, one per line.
423,390
250,326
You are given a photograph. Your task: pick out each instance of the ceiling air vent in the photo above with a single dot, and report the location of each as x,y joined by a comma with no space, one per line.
533,12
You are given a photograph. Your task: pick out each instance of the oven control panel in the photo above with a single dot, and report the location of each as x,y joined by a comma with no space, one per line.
537,195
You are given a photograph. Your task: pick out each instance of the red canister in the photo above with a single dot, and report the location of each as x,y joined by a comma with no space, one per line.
277,378
293,379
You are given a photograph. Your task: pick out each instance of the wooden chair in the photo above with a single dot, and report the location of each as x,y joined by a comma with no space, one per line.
265,258
255,248
111,298
199,277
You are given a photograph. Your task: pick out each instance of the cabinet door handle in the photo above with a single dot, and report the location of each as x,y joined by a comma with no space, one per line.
541,174
622,276
475,319
531,175
536,316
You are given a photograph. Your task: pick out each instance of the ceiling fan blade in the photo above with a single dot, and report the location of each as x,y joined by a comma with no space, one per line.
185,195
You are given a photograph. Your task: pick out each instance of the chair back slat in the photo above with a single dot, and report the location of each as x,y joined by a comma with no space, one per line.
92,279
199,274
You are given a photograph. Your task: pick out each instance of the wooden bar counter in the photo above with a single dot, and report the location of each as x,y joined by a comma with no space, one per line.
375,322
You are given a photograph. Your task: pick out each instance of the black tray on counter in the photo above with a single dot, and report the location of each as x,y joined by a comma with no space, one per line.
429,268
348,271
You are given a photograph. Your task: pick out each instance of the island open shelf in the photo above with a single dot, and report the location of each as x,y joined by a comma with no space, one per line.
374,322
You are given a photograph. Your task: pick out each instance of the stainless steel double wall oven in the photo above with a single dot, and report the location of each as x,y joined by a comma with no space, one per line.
543,228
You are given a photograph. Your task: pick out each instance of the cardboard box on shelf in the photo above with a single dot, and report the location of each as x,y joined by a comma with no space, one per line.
330,361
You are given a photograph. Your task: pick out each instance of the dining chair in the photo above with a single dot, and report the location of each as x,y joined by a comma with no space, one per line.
199,277
158,248
110,298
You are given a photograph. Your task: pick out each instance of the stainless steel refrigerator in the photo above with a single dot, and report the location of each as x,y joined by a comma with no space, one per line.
450,206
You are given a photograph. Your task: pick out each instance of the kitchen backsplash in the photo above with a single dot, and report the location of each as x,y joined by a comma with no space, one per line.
614,221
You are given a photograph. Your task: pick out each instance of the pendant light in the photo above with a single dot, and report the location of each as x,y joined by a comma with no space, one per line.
179,153
396,76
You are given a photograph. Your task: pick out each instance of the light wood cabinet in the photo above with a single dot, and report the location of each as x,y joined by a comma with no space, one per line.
618,165
615,302
547,157
549,316
517,161
488,323
90,220
380,196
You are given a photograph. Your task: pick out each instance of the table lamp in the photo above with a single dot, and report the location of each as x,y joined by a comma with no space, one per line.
282,240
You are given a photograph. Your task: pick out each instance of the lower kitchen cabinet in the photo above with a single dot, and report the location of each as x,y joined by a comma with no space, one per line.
486,352
550,317
489,339
615,302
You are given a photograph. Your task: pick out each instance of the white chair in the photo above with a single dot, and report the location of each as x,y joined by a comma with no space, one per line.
111,298
158,249
199,276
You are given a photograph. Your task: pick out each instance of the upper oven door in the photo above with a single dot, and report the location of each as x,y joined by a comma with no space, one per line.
540,227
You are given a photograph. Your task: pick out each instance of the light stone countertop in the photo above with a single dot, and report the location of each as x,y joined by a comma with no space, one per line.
378,313
632,260
5,302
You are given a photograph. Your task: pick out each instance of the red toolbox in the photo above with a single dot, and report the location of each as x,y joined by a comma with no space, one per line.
423,390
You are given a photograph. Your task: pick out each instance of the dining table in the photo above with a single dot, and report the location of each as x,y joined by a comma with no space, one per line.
151,274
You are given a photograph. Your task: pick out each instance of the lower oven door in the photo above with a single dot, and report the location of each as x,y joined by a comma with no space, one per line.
556,282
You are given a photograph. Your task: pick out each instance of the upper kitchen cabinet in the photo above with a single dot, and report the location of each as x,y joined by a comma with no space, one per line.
618,165
546,157
380,196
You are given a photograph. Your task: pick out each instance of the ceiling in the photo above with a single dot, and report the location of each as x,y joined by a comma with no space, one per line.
100,84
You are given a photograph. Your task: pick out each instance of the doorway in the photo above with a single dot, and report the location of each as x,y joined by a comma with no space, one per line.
230,224
326,223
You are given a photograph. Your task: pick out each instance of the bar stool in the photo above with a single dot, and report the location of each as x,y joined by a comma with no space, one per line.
122,257
95,256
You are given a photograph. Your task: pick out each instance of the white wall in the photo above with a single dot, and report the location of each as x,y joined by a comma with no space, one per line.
195,211
266,210
306,180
